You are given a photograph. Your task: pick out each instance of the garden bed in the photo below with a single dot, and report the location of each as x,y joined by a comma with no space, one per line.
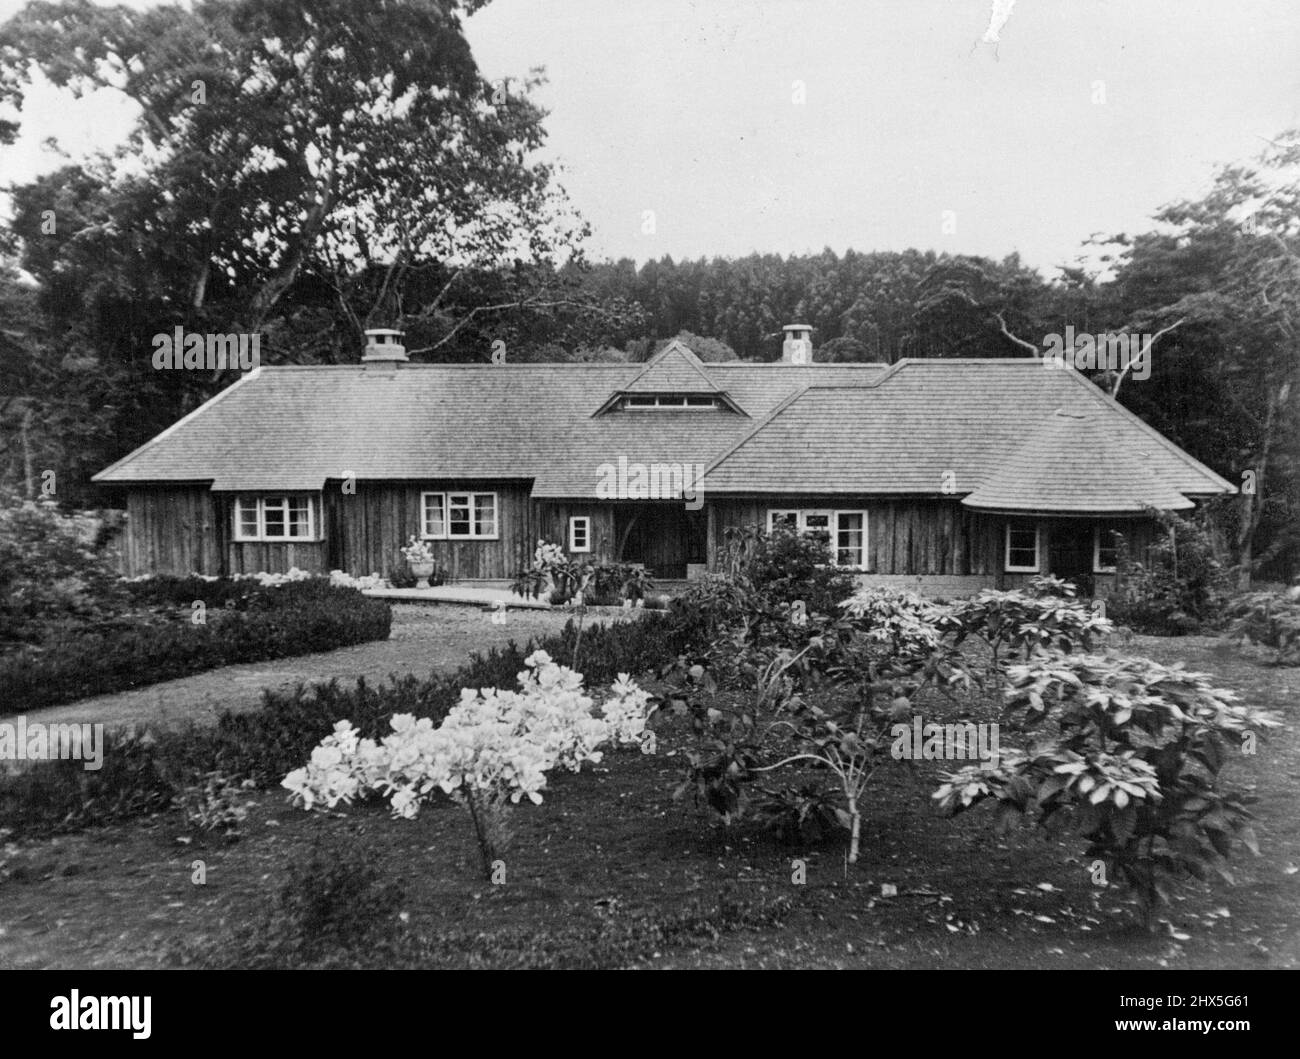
611,871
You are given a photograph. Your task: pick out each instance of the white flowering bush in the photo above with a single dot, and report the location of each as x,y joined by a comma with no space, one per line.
337,578
493,749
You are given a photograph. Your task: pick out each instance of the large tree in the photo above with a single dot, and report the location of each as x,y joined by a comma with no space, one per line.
1227,268
301,171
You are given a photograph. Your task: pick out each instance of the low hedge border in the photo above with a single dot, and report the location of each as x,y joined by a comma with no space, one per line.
243,622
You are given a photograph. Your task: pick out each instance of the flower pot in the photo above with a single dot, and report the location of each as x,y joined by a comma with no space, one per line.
423,571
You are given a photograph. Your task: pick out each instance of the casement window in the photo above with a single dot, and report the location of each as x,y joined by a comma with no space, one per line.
1022,548
580,533
845,530
645,402
458,516
275,518
1105,549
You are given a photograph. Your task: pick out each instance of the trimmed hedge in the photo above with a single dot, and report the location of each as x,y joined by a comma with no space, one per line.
143,771
243,623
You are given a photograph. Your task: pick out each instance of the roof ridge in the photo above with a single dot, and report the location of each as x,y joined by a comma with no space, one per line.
781,407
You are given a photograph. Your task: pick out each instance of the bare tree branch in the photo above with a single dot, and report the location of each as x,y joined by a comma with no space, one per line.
1142,355
1017,340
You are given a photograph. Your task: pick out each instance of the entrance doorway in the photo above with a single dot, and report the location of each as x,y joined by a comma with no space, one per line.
662,537
1069,554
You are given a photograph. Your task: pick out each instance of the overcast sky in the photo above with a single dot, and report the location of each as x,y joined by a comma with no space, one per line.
1085,117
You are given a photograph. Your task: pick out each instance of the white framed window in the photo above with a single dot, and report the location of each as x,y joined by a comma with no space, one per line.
275,518
1105,549
850,538
458,516
1022,548
845,530
580,533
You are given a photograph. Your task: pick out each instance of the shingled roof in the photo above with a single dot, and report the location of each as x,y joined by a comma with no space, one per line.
1006,435
296,427
784,428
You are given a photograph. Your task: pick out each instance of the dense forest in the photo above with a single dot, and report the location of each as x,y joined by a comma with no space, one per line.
293,175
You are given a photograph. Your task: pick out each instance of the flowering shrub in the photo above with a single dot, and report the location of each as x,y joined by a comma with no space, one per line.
337,578
493,747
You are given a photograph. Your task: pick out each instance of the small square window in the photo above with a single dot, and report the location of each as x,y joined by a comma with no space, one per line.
580,534
1022,547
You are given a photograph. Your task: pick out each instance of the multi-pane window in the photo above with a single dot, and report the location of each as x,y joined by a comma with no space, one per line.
850,538
275,518
644,401
458,516
1022,547
845,530
580,533
1105,549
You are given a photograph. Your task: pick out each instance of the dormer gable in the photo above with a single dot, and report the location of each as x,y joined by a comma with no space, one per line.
674,369
673,379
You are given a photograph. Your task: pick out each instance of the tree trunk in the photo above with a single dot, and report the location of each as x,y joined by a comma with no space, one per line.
29,467
855,832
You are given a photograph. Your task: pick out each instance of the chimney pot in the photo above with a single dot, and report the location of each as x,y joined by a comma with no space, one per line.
384,345
797,347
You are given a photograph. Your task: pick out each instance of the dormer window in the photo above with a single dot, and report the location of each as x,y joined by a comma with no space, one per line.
643,402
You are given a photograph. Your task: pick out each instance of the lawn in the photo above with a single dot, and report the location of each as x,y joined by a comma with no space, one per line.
611,871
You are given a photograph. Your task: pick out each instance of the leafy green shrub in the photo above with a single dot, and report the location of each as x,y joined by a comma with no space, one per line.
332,906
870,665
49,571
61,795
216,802
785,566
1047,615
710,603
1179,587
1266,625
564,577
1129,754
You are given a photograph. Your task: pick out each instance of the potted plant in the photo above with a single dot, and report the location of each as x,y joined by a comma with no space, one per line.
420,557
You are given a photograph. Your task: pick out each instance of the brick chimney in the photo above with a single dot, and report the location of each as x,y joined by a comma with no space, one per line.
384,346
797,347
